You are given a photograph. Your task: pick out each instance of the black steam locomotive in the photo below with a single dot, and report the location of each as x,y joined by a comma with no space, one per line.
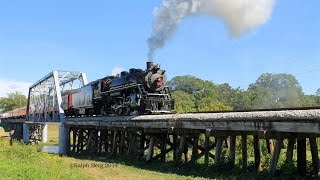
135,92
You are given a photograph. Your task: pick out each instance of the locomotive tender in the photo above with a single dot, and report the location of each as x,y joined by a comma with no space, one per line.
130,93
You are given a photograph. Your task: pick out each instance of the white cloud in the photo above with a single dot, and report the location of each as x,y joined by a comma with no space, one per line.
11,86
116,71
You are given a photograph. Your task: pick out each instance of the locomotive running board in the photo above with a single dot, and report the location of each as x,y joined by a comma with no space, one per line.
154,94
161,112
117,88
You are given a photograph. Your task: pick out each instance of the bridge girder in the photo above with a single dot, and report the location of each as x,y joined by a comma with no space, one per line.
44,98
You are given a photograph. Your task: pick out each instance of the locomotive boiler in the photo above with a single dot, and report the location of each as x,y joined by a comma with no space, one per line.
135,92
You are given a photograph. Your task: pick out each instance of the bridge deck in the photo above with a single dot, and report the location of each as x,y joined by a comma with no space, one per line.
295,121
292,121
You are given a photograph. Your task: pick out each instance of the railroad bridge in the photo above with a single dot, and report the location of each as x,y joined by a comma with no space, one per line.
153,137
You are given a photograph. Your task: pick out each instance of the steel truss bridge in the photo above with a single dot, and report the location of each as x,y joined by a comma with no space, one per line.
152,137
44,98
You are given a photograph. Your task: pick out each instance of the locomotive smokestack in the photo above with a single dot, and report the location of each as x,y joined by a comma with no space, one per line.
149,64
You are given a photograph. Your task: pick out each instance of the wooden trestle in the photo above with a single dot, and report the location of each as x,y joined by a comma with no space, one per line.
185,146
177,137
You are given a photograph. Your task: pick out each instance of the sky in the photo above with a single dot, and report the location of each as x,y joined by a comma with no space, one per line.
98,37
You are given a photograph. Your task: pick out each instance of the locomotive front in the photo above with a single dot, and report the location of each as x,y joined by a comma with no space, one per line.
140,91
155,77
158,98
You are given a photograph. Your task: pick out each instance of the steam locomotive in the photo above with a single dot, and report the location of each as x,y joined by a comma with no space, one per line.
130,93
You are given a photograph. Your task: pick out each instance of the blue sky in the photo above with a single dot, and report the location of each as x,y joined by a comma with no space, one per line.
98,36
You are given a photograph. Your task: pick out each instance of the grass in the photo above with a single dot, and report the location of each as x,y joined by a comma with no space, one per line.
21,161
53,133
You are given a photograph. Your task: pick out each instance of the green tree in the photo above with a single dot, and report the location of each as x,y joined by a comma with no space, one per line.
187,83
275,91
318,92
310,101
210,104
236,98
317,98
184,102
12,101
204,94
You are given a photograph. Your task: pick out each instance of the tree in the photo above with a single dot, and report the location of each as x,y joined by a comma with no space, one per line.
236,98
204,94
310,101
317,97
211,99
187,83
12,101
184,102
318,92
209,104
275,91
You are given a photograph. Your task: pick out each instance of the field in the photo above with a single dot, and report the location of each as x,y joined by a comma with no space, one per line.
25,162
19,161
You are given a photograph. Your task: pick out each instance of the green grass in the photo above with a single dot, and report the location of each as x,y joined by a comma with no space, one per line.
53,134
21,161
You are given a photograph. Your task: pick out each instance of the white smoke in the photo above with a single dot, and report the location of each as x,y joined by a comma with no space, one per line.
239,16
116,71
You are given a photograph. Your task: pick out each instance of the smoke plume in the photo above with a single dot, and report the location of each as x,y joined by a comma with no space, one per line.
239,16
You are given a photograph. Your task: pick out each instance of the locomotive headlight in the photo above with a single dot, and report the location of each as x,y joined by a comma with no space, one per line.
159,82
